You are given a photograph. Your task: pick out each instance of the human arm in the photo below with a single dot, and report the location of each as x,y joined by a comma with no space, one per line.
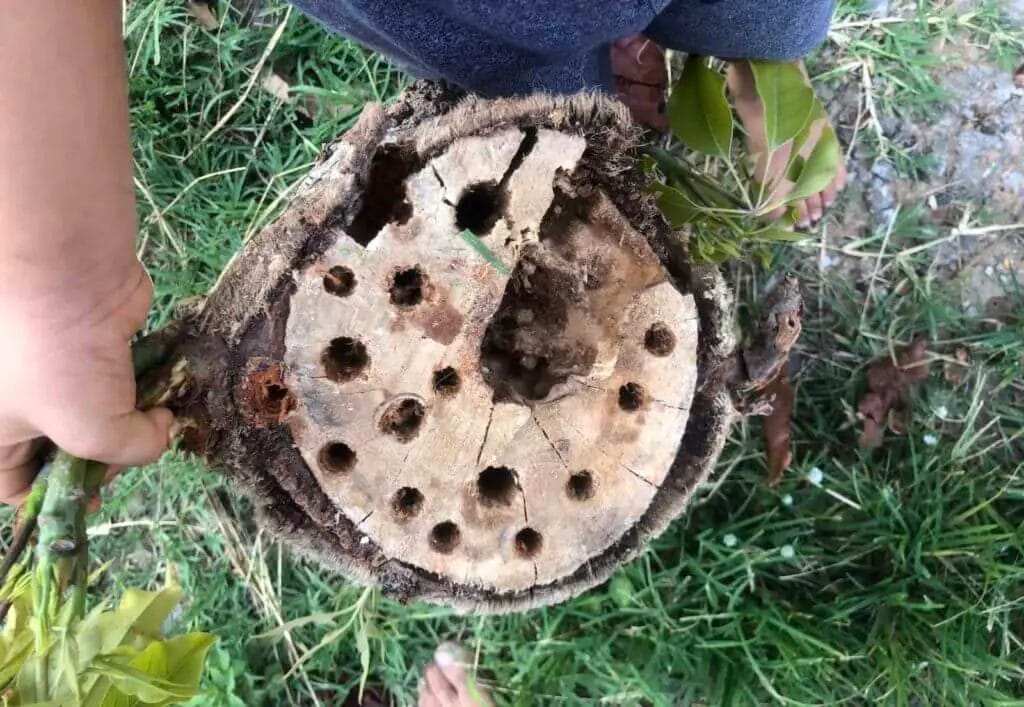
72,292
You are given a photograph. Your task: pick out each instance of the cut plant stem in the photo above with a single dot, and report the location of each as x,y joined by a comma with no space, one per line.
61,535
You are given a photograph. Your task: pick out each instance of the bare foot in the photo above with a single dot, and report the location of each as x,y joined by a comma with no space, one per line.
641,79
447,684
751,113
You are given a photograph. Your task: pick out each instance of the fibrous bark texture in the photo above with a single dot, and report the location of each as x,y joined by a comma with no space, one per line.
469,363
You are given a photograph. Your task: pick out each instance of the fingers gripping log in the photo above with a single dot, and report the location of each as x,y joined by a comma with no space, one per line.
469,363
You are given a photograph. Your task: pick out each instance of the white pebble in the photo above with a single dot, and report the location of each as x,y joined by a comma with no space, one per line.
942,412
364,540
729,540
930,440
787,500
787,552
816,476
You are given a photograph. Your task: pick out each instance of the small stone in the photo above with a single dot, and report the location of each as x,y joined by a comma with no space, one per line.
942,412
815,476
884,171
787,552
729,540
787,500
365,540
930,440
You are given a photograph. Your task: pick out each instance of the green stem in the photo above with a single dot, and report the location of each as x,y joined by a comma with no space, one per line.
26,524
60,520
93,478
672,166
58,546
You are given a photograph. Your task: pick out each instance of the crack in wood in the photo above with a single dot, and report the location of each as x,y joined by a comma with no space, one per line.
550,442
525,147
670,405
613,458
487,431
444,187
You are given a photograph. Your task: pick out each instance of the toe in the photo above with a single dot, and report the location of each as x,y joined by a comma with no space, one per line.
443,691
427,698
802,219
828,196
452,661
814,209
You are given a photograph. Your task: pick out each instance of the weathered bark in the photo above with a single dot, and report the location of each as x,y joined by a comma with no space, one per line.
470,363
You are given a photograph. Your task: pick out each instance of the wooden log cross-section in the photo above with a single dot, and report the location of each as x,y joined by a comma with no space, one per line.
470,363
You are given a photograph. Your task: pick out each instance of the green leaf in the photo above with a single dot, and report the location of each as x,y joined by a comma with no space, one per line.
677,208
480,247
138,619
776,234
698,110
321,618
186,656
820,168
132,682
152,660
787,99
363,647
796,168
763,255
817,113
621,590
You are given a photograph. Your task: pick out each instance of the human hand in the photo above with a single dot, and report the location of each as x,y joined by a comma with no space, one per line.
66,373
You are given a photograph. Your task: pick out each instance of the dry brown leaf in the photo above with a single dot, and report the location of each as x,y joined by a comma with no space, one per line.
306,103
777,426
956,371
1018,76
889,383
203,13
276,86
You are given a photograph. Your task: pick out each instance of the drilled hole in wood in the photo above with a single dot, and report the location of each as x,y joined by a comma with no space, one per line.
632,397
480,207
659,339
344,359
580,486
403,418
340,281
444,537
528,543
447,381
496,486
384,199
337,458
407,287
407,502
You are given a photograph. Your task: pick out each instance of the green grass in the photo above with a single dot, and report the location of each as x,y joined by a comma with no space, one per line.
898,580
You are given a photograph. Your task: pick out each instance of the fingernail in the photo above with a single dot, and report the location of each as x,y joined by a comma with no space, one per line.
803,223
446,654
829,201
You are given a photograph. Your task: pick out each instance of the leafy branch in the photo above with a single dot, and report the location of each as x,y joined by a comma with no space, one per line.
718,200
